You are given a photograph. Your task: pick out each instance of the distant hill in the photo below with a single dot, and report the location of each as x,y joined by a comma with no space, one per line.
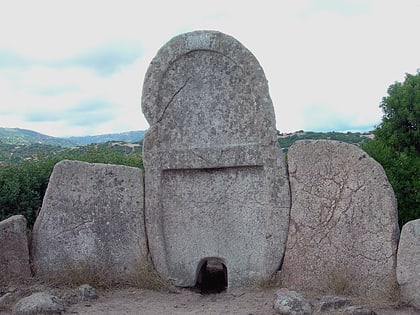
130,136
21,144
17,136
287,139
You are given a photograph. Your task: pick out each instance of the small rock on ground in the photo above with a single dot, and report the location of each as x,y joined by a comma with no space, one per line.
38,303
291,303
87,292
6,300
358,310
333,303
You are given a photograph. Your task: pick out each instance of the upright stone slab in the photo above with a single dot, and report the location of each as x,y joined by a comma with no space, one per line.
216,184
92,221
14,252
343,232
408,263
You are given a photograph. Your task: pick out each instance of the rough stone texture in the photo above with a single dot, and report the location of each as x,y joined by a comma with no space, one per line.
343,232
39,303
6,299
14,252
334,302
91,220
358,310
87,292
291,303
216,184
408,263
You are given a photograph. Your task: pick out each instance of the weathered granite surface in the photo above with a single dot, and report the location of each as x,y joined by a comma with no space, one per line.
215,180
39,303
91,218
408,263
332,302
343,232
14,252
291,303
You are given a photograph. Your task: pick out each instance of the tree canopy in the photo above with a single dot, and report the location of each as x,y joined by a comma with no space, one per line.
399,128
23,182
397,144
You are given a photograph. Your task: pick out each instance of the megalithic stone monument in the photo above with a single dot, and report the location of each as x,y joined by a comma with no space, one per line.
215,179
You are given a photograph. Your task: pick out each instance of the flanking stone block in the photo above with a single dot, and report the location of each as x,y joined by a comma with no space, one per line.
14,252
408,263
92,220
215,181
343,232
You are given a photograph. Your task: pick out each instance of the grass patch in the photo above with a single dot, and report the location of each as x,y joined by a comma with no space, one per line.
83,272
393,292
269,282
337,281
146,277
101,276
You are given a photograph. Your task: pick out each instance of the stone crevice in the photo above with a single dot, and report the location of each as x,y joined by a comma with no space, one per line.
339,216
171,100
76,227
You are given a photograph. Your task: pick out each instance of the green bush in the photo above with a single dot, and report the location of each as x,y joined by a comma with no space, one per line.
23,184
22,187
397,144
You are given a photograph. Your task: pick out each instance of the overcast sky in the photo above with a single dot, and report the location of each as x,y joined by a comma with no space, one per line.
75,67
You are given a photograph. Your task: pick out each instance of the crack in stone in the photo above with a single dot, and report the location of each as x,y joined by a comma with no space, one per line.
73,227
207,160
171,100
332,202
201,157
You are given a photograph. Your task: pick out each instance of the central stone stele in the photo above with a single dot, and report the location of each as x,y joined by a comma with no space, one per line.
215,179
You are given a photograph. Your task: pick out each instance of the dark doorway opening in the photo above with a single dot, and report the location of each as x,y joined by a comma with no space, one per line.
212,276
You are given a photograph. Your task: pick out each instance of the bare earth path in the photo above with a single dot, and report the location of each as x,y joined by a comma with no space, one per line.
235,301
137,301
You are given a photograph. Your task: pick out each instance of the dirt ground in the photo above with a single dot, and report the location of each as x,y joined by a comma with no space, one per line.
234,301
184,301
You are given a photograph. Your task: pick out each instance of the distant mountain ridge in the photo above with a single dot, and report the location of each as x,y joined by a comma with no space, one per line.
18,136
287,139
130,136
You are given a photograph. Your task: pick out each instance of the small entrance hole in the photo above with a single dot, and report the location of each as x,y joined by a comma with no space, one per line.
212,276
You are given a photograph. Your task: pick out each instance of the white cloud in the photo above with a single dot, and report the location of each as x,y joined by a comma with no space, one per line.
328,63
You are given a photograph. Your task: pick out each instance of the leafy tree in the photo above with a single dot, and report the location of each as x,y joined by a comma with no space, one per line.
22,187
400,124
397,144
286,141
23,182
